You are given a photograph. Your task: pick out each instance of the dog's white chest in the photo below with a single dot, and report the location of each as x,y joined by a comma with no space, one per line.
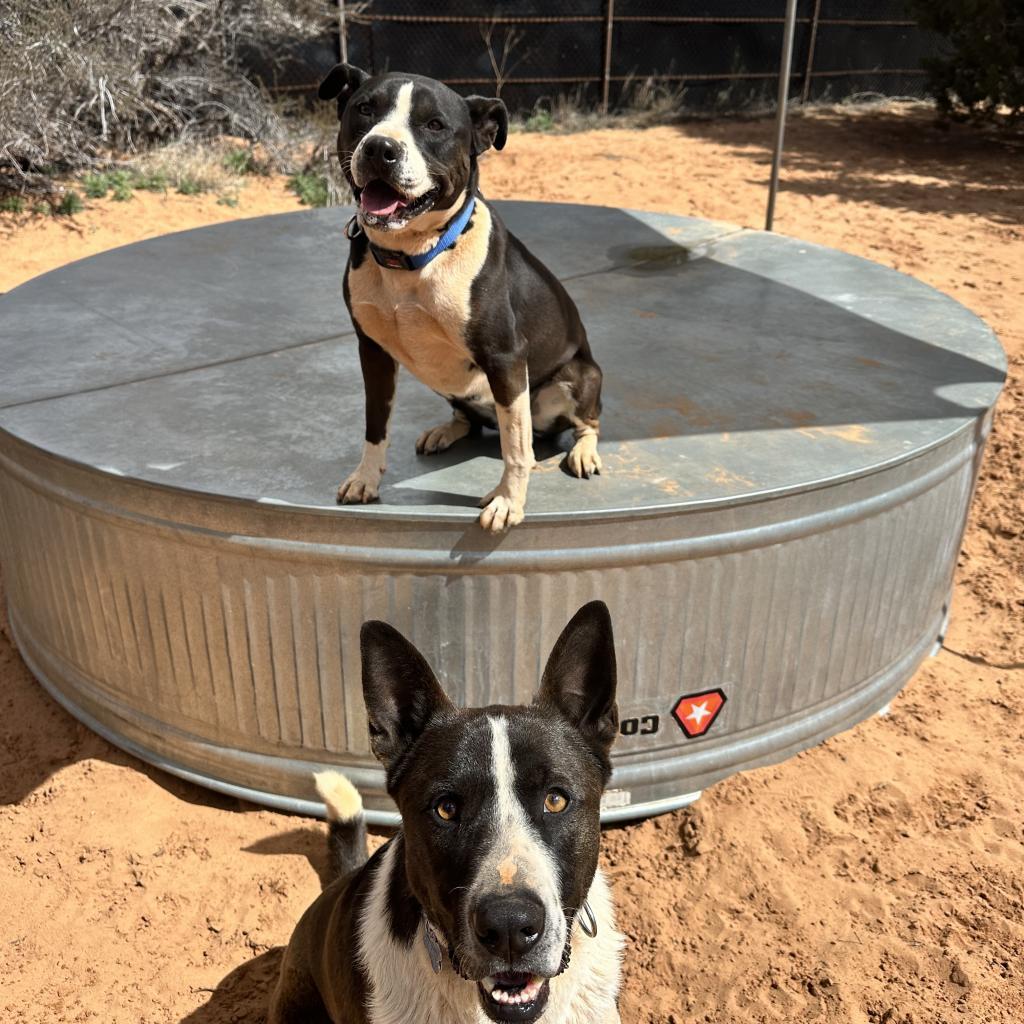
420,317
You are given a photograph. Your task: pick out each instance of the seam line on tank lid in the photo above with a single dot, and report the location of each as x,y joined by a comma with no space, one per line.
609,268
180,372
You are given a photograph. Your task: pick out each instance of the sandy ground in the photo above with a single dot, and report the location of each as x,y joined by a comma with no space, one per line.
877,878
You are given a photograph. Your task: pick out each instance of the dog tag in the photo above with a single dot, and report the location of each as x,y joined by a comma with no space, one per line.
433,947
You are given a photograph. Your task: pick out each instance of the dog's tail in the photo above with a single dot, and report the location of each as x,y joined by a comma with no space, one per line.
346,823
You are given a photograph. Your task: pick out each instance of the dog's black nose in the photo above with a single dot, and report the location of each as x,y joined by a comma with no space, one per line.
509,926
382,151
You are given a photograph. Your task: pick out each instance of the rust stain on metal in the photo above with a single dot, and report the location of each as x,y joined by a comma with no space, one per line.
854,433
666,486
665,426
800,417
726,477
693,412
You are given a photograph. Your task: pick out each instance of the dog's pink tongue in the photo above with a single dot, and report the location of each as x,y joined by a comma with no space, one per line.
380,198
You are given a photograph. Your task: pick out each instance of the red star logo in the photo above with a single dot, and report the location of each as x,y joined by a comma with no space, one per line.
696,712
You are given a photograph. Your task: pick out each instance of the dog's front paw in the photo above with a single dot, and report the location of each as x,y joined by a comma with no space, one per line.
500,512
437,439
583,460
360,488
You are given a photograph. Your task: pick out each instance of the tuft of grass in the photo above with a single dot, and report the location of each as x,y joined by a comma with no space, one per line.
228,201
12,204
70,204
312,189
96,186
190,167
243,161
151,181
121,186
539,121
642,102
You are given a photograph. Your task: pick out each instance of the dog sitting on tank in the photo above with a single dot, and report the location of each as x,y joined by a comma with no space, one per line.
436,283
488,904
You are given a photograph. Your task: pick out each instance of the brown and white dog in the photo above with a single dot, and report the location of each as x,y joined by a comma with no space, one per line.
488,904
436,283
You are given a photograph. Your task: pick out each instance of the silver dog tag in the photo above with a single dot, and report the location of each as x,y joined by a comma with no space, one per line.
433,947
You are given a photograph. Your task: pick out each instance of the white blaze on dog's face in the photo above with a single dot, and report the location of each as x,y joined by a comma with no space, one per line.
388,166
518,873
407,144
500,806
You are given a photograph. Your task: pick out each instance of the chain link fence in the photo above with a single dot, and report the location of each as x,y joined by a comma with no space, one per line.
716,55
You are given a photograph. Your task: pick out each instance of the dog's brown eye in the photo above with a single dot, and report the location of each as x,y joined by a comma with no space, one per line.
555,802
435,126
366,109
447,808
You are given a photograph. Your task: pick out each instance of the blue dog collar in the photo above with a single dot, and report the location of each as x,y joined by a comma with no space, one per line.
395,260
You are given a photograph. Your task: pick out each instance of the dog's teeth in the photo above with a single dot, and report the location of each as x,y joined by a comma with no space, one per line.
488,984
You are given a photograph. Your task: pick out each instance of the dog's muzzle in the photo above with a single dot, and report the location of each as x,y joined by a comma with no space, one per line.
380,157
509,927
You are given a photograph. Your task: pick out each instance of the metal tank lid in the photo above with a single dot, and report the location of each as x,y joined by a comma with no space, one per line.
738,365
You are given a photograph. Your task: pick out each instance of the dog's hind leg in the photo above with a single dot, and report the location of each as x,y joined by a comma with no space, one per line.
583,379
295,999
437,439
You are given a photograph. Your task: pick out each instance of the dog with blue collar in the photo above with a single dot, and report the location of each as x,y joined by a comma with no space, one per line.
436,283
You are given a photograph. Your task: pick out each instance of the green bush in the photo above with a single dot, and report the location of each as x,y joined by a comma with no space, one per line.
189,186
242,161
312,189
152,181
121,185
12,204
96,186
982,71
70,204
539,121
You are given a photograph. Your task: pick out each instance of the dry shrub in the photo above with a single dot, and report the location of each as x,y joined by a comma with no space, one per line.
80,81
189,166
642,102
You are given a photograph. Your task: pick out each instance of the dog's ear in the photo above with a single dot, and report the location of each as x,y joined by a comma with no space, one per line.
579,678
341,82
402,695
490,123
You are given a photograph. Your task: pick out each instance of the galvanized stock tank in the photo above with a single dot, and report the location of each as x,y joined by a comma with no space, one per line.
790,439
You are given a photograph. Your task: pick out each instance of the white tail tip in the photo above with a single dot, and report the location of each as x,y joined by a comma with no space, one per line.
342,798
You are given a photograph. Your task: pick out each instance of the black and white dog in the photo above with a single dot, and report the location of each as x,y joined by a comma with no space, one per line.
488,904
436,282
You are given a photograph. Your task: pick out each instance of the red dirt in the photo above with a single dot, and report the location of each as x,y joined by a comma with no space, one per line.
876,878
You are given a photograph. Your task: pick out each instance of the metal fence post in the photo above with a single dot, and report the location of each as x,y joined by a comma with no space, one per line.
808,70
780,121
609,26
